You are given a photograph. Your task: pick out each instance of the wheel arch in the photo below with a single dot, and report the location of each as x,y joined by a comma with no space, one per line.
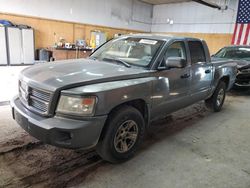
139,104
225,79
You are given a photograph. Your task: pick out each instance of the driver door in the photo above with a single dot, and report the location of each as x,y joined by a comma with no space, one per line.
173,85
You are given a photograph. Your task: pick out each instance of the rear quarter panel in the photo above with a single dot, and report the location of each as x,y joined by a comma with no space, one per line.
226,68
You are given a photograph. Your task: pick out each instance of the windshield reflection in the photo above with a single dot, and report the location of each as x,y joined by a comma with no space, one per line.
130,50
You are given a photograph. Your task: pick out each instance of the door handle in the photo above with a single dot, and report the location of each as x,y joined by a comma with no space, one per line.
185,76
207,71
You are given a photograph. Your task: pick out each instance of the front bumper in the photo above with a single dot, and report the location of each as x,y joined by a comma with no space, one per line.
59,131
243,79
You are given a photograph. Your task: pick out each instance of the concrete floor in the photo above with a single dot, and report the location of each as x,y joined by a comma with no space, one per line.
193,148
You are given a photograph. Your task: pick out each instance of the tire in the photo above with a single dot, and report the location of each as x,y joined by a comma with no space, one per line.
123,133
216,101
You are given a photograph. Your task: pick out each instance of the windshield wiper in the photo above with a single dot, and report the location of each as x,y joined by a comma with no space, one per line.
117,60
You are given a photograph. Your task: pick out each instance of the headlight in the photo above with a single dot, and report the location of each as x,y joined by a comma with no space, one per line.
76,105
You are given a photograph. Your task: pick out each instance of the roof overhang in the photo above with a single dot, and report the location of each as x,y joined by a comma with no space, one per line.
208,3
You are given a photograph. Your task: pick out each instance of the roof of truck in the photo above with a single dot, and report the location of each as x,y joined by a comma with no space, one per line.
159,36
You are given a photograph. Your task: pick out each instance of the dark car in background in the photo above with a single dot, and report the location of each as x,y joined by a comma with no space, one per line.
241,54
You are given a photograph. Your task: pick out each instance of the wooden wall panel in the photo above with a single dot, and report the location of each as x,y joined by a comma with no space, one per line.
47,32
79,31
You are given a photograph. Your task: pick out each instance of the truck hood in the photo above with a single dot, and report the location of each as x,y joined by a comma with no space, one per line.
241,64
73,73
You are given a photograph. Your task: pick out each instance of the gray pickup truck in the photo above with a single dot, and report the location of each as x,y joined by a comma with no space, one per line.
108,100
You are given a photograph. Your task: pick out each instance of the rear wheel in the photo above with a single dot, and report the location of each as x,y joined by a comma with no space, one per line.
216,101
123,134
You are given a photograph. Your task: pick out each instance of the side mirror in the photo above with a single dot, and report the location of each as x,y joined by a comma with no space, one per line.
175,62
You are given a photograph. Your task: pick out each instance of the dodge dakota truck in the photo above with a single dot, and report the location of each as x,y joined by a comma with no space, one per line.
107,101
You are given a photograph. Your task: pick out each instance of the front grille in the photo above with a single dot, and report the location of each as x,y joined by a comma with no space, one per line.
41,95
39,105
243,76
35,99
245,71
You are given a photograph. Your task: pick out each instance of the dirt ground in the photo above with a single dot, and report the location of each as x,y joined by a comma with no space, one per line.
191,148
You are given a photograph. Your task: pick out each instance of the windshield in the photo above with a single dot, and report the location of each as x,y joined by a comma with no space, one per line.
234,53
133,51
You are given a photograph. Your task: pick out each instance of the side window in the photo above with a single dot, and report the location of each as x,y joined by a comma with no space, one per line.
177,49
196,52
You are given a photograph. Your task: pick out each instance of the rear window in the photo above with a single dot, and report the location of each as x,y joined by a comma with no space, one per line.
197,52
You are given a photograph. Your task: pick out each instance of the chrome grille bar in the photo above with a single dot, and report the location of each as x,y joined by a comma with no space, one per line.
39,105
35,99
40,95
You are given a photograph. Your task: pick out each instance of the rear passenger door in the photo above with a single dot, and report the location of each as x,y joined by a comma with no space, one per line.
201,71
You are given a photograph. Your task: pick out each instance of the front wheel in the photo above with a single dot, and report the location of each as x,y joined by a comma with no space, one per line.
216,101
123,134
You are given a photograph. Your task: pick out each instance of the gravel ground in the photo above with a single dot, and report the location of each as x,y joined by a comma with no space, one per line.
191,148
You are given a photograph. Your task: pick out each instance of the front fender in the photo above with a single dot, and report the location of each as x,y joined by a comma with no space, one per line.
112,94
